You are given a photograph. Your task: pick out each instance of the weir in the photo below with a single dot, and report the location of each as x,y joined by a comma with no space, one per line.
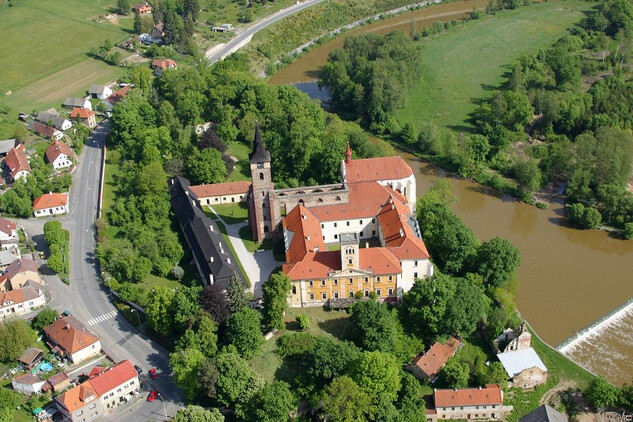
595,328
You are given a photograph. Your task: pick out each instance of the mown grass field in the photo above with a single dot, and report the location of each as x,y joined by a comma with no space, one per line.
44,42
461,64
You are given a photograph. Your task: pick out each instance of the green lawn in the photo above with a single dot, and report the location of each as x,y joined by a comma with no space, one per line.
242,169
228,13
233,213
222,228
250,244
461,64
42,38
335,323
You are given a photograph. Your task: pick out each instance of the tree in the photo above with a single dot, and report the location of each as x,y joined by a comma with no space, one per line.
138,24
467,308
186,305
206,332
194,413
454,374
210,139
628,231
206,167
375,326
411,405
213,300
236,380
276,291
303,320
123,6
236,294
528,175
329,358
185,364
9,401
601,393
15,336
584,217
271,403
344,401
496,260
192,8
378,373
244,333
44,317
159,311
208,375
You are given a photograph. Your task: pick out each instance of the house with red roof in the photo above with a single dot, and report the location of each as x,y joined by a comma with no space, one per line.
142,8
221,193
483,403
45,130
70,338
18,274
117,96
106,389
51,204
426,366
17,163
85,116
21,301
59,154
27,383
160,65
8,234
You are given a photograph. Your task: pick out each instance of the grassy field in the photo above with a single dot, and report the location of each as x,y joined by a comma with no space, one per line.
44,42
460,65
242,169
233,213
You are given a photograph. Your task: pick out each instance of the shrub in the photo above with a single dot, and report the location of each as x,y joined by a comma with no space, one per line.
303,321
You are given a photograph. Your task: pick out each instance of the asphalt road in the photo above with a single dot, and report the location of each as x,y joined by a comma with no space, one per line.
88,299
242,36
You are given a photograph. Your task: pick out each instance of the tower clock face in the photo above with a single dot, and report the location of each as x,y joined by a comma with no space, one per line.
260,165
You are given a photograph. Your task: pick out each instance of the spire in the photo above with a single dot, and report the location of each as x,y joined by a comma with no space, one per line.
348,155
259,154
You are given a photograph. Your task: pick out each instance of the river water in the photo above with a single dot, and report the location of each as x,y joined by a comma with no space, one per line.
569,278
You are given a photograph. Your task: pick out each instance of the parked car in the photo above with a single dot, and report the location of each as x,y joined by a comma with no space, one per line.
152,395
153,373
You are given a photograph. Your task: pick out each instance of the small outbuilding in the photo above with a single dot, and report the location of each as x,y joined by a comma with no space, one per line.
524,367
31,358
27,383
544,413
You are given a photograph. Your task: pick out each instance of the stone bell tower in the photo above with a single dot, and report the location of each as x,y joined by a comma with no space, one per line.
261,199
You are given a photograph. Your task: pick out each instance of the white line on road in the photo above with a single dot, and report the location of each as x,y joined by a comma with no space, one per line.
102,318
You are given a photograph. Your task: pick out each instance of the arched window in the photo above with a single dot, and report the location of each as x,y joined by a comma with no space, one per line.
264,205
282,209
320,200
261,176
338,198
266,229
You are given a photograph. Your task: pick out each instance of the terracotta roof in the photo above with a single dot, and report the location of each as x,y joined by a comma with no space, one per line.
432,361
468,396
96,371
56,148
115,97
7,226
27,379
365,201
42,129
380,261
314,266
163,63
77,397
70,334
111,378
217,189
83,113
380,168
30,355
19,266
16,160
400,231
302,231
13,296
50,200
58,378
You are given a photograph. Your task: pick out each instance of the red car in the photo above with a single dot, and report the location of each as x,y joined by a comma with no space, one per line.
152,395
153,373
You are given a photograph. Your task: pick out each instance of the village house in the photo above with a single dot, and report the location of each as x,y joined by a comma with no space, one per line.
18,274
52,118
142,8
6,146
116,96
160,65
51,204
86,116
221,193
45,130
468,404
523,365
75,102
60,155
27,383
70,338
8,256
544,413
58,383
157,33
225,27
99,91
17,163
106,389
21,301
8,235
203,127
426,366
31,357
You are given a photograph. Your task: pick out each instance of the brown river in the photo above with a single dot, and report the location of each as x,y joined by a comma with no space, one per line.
573,283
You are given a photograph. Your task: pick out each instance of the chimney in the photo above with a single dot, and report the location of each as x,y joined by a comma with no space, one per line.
367,244
480,388
50,193
304,216
228,261
401,232
211,227
308,238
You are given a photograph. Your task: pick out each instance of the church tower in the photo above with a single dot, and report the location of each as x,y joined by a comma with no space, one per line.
261,201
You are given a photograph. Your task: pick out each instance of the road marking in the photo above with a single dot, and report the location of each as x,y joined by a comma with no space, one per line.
102,318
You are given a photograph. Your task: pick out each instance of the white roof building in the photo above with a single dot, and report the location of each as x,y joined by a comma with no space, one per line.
517,361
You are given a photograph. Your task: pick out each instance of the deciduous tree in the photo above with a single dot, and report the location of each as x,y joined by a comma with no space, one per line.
276,291
344,401
213,300
185,364
159,311
243,332
236,294
194,413
44,317
496,260
271,403
378,373
206,167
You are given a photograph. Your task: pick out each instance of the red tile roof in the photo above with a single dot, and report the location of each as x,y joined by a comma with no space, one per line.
468,396
42,129
70,334
306,234
380,168
432,361
163,63
115,97
218,189
27,379
16,160
77,397
12,296
56,148
314,266
50,200
19,266
7,226
83,113
111,378
381,261
394,219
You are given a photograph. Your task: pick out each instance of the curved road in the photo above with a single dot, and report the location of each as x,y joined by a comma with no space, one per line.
244,36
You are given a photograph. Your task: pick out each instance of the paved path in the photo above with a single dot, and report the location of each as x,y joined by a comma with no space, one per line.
258,265
244,36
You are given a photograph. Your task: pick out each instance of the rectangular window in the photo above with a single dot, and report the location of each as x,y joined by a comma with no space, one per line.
336,236
351,280
373,232
349,261
366,280
361,234
324,296
351,293
390,291
311,296
415,263
378,292
366,293
335,225
310,283
335,282
322,282
348,224
390,278
378,279
322,225
360,222
415,275
294,290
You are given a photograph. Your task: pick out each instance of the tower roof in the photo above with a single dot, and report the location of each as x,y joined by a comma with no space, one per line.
259,154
